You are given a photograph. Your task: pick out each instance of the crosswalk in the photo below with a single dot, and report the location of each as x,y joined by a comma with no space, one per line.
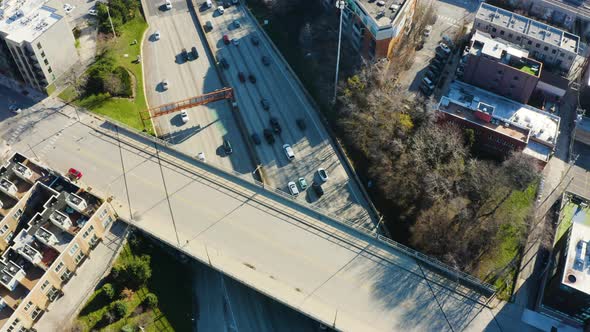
52,141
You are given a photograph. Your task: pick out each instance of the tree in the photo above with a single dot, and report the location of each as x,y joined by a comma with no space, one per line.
119,309
138,270
108,290
108,317
521,169
151,300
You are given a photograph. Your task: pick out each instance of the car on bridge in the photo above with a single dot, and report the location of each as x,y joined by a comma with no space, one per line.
276,127
265,60
265,104
184,116
269,136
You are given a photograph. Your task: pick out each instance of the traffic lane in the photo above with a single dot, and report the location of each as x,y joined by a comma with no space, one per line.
8,98
209,297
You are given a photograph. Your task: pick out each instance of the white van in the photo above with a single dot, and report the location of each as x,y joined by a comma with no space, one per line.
168,4
220,9
427,82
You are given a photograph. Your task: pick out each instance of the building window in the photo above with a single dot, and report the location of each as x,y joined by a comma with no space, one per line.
553,51
39,45
107,221
28,306
88,232
45,284
18,214
515,78
49,70
59,267
494,30
509,35
502,32
518,38
46,62
499,72
36,313
4,229
530,42
478,24
66,275
561,54
43,54
74,249
9,236
79,257
537,45
546,48
103,214
93,240
571,57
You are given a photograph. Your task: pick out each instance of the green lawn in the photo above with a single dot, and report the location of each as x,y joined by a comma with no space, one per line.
528,70
569,210
120,109
171,282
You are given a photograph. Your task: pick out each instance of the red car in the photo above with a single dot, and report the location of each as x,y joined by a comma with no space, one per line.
225,39
242,77
74,174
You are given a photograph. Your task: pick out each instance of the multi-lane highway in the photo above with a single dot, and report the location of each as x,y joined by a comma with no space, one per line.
208,125
288,104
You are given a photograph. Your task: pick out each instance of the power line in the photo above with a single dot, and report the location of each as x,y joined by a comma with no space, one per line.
166,192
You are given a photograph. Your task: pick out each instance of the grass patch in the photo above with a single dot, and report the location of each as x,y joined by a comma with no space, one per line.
528,70
125,110
68,94
170,281
50,89
499,265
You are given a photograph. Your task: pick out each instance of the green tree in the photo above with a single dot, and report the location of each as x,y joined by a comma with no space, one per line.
139,270
119,309
151,300
108,290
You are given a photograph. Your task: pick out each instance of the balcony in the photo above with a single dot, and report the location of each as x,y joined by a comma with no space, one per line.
30,254
10,275
23,172
61,220
46,237
76,202
8,188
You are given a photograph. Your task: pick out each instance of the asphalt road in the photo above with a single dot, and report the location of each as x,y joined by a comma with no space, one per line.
209,124
288,103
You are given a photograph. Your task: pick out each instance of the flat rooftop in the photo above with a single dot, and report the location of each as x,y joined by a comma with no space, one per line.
383,12
25,20
543,127
504,52
531,28
577,264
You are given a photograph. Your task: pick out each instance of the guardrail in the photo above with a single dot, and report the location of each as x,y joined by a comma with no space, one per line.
432,263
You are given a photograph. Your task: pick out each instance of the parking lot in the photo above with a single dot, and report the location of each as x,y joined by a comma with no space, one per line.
208,125
254,79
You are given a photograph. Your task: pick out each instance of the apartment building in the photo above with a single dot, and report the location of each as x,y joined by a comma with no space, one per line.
552,46
500,125
374,27
501,67
48,227
38,38
566,292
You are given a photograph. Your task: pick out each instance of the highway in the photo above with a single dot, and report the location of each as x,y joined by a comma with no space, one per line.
300,257
208,125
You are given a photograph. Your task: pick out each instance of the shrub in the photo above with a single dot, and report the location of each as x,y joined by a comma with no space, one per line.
108,317
126,293
151,300
139,270
108,290
119,309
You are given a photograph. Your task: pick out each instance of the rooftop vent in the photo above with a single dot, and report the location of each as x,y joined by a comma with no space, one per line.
60,220
8,187
571,278
23,171
76,202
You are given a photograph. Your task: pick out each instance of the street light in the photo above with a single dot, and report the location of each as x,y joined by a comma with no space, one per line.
340,4
109,15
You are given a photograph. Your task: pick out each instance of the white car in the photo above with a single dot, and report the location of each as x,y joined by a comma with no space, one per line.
323,174
293,188
92,12
201,156
184,116
168,4
444,48
14,109
68,8
165,85
289,152
157,35
220,9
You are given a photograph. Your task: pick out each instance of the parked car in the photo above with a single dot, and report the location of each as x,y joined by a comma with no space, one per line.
194,53
220,10
323,174
157,35
227,147
443,47
164,85
317,188
184,54
255,40
265,104
289,152
265,60
301,123
274,123
168,5
302,184
252,78
241,77
268,136
225,39
208,26
14,108
237,23
235,42
256,139
92,12
184,116
201,156
224,63
293,188
74,174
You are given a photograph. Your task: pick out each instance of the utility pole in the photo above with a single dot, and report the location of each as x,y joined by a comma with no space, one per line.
340,4
110,20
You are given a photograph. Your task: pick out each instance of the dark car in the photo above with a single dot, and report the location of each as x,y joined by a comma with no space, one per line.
225,39
256,139
227,147
265,104
224,63
430,74
255,40
269,136
194,53
274,123
441,55
252,78
301,123
265,60
242,77
184,54
318,189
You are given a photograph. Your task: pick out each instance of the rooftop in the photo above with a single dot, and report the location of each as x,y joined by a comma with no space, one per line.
383,12
519,121
577,264
25,20
504,52
531,28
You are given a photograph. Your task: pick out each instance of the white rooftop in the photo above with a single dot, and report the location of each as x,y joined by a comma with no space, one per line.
577,264
494,47
543,126
25,20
